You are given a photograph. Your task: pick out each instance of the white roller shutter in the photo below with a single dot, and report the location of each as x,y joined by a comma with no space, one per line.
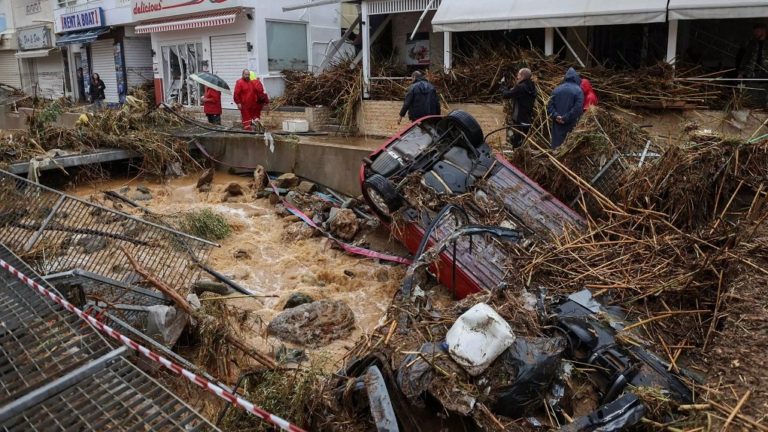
50,75
229,57
138,60
103,63
9,69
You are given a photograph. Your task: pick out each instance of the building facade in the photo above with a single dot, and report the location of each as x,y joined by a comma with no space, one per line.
226,36
9,65
99,37
40,61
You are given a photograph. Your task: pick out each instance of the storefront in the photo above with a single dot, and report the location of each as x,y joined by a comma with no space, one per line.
228,36
121,59
9,65
42,68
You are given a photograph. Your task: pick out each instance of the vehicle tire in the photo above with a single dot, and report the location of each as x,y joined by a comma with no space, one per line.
382,196
469,126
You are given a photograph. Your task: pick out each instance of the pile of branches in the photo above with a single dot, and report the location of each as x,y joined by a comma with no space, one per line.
136,126
338,88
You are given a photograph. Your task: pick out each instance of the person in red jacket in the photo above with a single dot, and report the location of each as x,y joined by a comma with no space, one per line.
212,105
590,97
260,98
245,98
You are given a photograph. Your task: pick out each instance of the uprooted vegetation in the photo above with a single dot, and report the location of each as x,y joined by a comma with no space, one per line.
136,126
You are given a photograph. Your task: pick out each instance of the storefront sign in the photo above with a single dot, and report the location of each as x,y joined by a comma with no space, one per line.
33,38
91,18
151,9
417,52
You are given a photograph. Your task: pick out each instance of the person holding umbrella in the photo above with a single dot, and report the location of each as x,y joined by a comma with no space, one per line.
212,105
214,87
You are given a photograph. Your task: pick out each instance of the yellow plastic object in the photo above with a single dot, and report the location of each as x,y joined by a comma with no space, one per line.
82,120
254,76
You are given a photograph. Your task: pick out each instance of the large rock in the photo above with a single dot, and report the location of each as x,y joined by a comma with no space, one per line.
235,189
307,187
344,224
287,181
314,324
297,299
298,231
260,178
206,177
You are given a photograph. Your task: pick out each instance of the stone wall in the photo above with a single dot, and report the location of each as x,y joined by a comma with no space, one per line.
379,118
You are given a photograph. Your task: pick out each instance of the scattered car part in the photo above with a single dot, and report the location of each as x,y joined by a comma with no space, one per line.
616,416
378,398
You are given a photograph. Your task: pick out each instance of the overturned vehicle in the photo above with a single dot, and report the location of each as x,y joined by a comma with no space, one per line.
447,158
502,357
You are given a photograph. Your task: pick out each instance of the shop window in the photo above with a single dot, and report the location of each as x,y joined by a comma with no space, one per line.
179,62
287,46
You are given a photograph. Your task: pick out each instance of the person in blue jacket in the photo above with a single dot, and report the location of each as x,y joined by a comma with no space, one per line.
421,99
565,107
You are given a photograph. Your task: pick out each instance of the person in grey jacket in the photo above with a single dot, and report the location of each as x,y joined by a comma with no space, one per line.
565,107
421,99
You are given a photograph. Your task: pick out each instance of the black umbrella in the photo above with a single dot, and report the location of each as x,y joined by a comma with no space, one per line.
210,80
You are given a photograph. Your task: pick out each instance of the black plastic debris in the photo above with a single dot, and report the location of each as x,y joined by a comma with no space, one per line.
593,341
533,364
613,417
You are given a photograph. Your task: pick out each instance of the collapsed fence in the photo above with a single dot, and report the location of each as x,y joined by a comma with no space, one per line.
60,374
56,232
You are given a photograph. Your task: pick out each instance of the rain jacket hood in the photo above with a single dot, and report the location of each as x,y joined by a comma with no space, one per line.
572,76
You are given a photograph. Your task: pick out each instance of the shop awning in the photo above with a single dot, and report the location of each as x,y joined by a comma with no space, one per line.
717,9
33,53
478,15
197,21
81,37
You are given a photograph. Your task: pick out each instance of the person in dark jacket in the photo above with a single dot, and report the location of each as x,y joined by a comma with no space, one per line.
519,110
565,107
97,91
421,99
752,62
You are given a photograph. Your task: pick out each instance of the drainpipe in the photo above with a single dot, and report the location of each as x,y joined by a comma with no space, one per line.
366,29
447,51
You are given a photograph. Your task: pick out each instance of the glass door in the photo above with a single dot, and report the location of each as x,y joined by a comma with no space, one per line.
179,62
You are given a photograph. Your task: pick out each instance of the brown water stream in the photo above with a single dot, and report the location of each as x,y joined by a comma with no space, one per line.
259,257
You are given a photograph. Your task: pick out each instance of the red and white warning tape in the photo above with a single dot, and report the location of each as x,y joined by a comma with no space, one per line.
200,381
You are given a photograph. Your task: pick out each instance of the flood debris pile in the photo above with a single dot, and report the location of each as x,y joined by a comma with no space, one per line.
136,126
613,324
475,78
601,150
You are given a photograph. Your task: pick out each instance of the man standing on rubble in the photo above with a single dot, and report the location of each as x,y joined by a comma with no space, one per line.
421,99
519,108
753,61
565,107
245,98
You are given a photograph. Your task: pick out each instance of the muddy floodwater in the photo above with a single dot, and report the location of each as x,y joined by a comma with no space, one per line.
258,256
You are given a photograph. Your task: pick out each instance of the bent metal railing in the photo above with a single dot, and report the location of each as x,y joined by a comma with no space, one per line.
55,233
57,373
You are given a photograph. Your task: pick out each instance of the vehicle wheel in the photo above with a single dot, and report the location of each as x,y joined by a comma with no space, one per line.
382,196
469,126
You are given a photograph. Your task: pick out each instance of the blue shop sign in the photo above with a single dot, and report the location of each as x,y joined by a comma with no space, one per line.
82,20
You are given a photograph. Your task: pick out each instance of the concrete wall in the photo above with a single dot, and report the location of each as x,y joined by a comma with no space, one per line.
273,119
331,165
